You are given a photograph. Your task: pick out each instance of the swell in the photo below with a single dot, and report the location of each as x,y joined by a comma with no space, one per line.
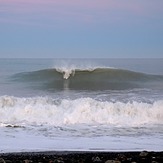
47,111
88,79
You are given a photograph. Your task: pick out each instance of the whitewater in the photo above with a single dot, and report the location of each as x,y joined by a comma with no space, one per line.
81,104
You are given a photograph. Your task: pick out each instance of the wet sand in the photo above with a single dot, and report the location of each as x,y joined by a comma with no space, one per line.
82,157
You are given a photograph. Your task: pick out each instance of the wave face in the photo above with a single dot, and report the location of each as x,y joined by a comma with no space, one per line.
88,79
47,111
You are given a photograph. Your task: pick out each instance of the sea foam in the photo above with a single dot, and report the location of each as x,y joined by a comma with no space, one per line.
44,110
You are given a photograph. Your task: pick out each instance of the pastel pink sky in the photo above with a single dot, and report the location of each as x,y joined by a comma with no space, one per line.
77,7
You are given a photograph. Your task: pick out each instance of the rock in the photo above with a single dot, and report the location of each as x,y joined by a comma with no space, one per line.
96,159
112,161
143,154
27,161
59,160
122,157
2,160
8,161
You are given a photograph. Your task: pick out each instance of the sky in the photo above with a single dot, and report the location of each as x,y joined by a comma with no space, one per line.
81,28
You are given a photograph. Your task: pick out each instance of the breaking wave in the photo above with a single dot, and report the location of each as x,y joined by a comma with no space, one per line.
16,111
88,79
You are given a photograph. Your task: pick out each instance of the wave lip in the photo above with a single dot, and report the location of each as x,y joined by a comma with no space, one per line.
71,72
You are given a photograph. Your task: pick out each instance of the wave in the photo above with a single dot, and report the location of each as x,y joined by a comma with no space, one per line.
88,79
16,111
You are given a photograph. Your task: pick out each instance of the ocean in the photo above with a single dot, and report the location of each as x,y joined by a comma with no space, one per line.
81,105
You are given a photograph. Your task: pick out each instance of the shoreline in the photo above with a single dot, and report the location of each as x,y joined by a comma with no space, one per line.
82,157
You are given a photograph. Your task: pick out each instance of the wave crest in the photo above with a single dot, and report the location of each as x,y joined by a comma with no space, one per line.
89,79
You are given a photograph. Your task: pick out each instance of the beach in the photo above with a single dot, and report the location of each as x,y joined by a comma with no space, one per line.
83,157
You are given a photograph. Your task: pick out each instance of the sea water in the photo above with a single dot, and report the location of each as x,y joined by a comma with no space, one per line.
81,104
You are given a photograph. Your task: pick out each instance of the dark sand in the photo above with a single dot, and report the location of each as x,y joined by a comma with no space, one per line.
82,157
